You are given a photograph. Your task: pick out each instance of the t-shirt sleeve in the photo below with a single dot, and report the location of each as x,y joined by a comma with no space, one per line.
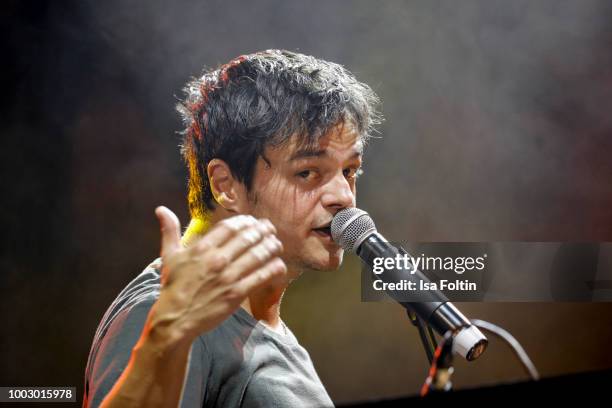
116,347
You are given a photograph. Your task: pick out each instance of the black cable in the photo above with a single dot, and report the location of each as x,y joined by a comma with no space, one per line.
423,334
432,336
426,339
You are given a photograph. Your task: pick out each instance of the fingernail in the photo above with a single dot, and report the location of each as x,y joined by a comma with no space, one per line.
269,224
278,242
272,243
279,263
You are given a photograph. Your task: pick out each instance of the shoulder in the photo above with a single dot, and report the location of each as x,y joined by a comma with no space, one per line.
125,317
118,332
141,292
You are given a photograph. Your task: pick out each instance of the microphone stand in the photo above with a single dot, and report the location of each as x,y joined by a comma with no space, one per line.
425,333
441,370
440,357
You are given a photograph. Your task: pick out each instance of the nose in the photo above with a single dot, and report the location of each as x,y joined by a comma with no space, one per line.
338,194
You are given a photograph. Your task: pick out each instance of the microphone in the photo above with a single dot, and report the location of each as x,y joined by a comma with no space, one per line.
354,230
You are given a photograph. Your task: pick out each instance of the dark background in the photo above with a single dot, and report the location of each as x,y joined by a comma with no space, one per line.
498,128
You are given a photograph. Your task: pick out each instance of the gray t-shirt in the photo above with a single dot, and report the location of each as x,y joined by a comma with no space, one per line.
241,363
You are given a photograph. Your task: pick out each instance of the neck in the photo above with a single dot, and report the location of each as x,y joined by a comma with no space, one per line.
264,303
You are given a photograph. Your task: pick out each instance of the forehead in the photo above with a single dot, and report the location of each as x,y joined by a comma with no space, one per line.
342,140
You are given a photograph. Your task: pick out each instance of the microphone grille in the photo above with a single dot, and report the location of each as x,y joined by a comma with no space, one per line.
350,227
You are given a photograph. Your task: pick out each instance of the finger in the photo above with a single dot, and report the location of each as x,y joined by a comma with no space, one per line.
222,231
274,269
255,257
242,241
170,228
244,228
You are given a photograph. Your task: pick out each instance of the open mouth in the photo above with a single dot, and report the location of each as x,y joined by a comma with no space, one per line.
323,231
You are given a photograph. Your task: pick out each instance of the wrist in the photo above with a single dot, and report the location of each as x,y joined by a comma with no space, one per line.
164,336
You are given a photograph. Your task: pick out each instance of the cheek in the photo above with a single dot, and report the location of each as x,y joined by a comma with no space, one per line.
294,218
287,204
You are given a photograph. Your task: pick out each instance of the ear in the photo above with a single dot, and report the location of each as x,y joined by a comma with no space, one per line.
228,192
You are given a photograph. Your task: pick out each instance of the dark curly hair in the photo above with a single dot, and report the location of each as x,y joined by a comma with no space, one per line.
237,110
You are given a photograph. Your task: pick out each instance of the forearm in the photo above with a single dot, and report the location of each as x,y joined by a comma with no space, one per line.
155,374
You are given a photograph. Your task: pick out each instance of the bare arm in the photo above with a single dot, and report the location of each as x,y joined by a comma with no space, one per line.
201,286
155,373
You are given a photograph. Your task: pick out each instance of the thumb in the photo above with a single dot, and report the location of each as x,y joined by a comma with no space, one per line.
170,228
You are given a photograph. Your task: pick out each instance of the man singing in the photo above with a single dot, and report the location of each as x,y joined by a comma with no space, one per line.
274,143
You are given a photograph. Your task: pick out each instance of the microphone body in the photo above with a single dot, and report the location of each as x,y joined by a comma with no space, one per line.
354,230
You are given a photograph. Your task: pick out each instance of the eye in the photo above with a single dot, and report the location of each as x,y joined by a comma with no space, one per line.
304,174
352,172
309,175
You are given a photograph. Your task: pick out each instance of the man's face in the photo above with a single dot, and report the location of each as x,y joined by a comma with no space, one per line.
301,190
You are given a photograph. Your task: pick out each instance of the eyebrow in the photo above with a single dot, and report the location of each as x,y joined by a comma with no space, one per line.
307,153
